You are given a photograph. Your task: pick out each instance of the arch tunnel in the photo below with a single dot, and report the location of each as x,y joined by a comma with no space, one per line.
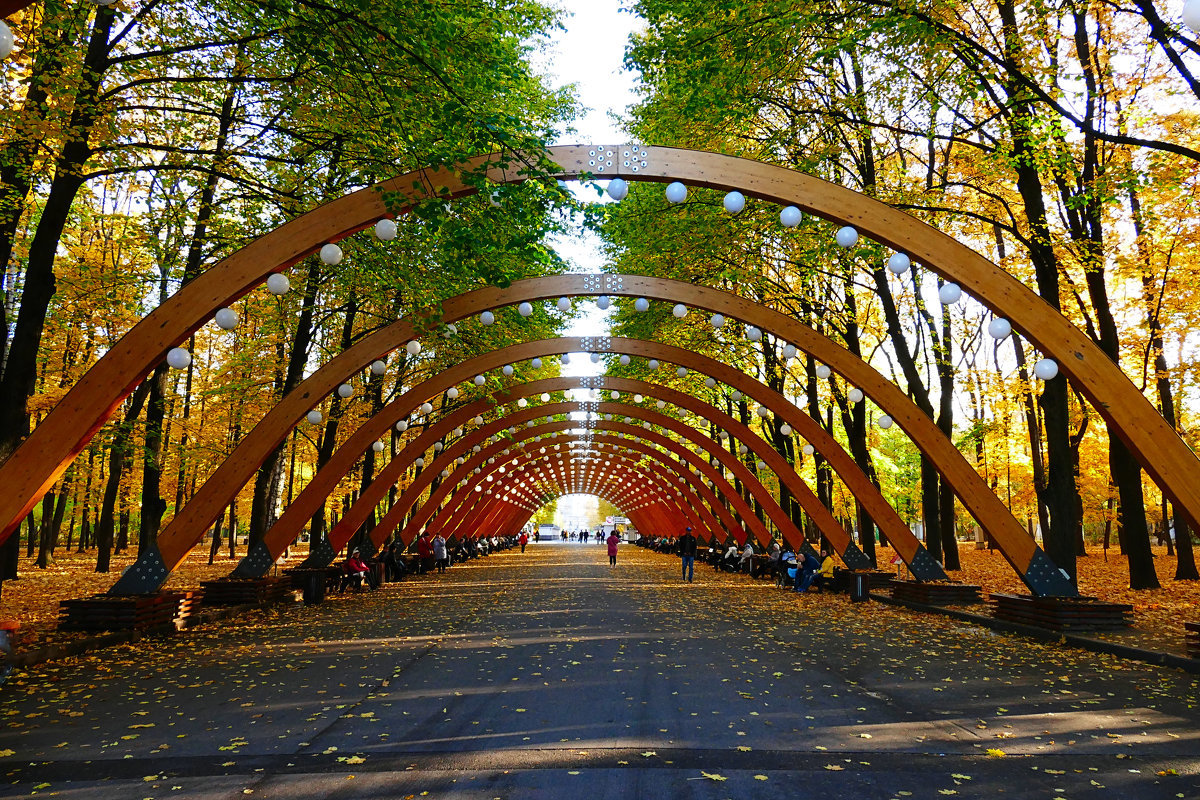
65,431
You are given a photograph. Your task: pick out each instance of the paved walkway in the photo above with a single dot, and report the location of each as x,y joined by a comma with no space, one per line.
552,675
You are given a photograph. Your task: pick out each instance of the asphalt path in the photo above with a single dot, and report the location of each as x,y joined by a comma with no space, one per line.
553,675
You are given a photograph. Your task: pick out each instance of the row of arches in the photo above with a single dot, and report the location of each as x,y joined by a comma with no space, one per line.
30,471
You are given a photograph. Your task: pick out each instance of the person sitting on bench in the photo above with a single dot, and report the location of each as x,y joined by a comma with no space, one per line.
353,572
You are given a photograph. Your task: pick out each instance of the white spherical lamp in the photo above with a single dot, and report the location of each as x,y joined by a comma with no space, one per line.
641,304
522,402
624,361
345,391
760,465
385,230
652,363
507,370
785,429
226,319
717,320
7,43
603,302
618,189
950,293
378,447
479,380
763,412
478,420
854,395
884,422
723,435
331,254
278,284
615,395
734,202
402,426
426,408
313,417
1046,369
595,357
545,397
736,395
743,449
999,328
808,449
676,192
680,311
637,398
178,358
1191,14
753,334
525,309
790,217
452,393
378,367
536,363
710,382
899,263
846,237
660,403
419,461
487,318
823,371
565,358
681,372
564,304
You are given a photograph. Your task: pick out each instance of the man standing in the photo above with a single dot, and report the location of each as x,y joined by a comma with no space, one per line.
687,551
425,552
524,540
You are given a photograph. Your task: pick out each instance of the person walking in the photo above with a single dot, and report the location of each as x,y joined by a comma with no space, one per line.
439,553
424,553
687,552
613,541
524,540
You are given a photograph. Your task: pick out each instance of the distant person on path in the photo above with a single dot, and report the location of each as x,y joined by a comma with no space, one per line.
747,557
439,553
687,552
613,541
524,540
424,553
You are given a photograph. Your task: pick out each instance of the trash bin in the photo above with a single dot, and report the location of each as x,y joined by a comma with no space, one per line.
860,586
313,586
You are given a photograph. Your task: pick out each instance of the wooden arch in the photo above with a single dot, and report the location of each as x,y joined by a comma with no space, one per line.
683,454
41,459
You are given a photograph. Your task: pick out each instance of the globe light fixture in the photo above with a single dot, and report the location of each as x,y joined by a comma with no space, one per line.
717,320
763,412
846,237
522,402
603,302
743,449
178,358
313,417
525,309
652,363
785,429
402,426
226,319
999,328
545,397
641,304
565,358
564,304
854,395
710,382
760,465
823,371
681,372
451,330
676,192
734,202
331,254
507,369
736,395
615,395
7,42
479,380
660,403
378,367
884,422
437,447
808,449
478,420
637,398
949,294
345,391
452,393
536,363
426,408
789,352
419,461
378,447
680,311
1046,369
278,284
618,189
790,217
385,230
595,357
487,318
899,263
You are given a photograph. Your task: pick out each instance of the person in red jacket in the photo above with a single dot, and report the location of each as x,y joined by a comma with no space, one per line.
425,552
353,571
613,540
524,540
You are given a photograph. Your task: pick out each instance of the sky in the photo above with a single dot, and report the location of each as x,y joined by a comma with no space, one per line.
589,55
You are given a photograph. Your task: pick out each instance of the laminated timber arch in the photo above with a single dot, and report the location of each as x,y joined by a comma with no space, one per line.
308,501
685,456
65,431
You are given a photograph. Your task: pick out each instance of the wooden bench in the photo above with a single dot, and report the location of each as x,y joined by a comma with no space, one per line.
1061,613
934,593
1192,638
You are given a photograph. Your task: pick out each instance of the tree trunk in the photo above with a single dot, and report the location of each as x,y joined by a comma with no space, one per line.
118,456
